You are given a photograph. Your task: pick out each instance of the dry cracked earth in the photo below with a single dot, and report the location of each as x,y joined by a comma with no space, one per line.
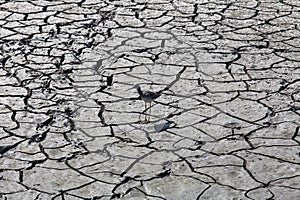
226,125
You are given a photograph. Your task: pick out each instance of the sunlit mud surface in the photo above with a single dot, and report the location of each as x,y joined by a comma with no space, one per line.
225,126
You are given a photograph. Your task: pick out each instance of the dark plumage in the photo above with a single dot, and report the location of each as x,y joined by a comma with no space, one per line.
147,96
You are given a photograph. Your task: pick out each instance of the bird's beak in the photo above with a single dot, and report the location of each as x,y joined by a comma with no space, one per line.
129,89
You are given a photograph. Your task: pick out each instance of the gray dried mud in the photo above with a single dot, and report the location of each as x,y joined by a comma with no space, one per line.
226,125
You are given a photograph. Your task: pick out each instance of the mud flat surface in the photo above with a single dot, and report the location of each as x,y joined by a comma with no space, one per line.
226,125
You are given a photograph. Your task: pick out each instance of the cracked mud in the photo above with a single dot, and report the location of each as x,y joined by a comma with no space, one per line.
225,126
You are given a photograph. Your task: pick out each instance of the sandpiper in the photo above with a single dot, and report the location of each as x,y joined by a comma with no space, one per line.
147,97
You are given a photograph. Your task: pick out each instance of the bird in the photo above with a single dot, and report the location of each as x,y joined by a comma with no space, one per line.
147,97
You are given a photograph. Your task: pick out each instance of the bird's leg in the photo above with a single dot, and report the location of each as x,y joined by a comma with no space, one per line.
149,112
145,112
